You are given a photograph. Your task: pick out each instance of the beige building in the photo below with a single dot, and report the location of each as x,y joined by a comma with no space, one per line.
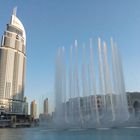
33,109
12,66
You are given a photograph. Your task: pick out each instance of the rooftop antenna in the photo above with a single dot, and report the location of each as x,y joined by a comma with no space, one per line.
15,10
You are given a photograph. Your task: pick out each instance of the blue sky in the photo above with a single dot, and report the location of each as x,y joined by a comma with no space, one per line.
50,24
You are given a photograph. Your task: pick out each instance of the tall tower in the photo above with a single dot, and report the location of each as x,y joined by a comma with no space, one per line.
12,66
46,104
33,109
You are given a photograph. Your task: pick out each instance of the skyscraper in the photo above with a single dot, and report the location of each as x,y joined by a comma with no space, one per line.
33,109
12,66
46,106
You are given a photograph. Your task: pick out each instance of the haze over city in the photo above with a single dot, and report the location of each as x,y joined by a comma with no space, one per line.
52,24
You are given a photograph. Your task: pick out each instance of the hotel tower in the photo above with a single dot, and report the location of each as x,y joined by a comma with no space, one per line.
12,66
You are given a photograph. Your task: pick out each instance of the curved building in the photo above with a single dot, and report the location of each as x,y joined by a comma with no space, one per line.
12,66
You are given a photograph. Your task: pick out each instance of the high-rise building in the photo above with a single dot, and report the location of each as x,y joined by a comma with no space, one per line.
46,104
33,109
12,66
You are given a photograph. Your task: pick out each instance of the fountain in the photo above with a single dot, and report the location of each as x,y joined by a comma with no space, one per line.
90,92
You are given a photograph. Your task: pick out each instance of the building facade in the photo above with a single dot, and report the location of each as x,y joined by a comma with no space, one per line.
33,109
133,99
25,106
12,66
84,105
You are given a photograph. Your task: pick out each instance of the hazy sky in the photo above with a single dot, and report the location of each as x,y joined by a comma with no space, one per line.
50,24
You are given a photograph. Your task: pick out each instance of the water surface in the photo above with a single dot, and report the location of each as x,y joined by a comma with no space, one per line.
73,134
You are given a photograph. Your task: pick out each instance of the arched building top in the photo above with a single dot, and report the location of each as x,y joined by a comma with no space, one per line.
18,24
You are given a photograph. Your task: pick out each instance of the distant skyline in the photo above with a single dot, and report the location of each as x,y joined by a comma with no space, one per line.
50,24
